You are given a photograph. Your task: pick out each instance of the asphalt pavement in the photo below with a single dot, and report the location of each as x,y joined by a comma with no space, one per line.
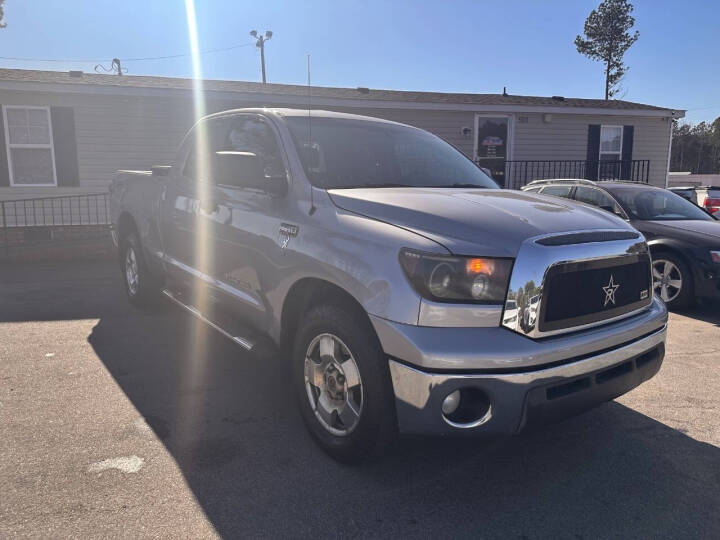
123,423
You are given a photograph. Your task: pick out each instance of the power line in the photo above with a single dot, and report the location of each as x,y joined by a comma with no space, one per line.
124,59
188,54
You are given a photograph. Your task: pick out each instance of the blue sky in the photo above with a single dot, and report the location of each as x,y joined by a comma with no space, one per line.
464,46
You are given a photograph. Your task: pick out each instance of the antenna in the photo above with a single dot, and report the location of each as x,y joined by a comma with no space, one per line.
312,188
309,100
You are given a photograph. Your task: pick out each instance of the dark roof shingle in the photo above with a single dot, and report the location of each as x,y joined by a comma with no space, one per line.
145,81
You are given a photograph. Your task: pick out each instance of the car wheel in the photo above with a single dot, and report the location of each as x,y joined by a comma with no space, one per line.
672,280
140,285
342,382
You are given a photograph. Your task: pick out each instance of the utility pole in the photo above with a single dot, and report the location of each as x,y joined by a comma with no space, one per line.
260,44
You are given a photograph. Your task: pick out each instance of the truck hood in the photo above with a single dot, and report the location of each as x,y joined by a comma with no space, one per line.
491,222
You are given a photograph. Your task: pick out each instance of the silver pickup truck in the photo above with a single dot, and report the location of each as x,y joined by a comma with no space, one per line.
406,291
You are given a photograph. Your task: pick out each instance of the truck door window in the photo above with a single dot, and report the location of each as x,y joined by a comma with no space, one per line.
235,134
250,134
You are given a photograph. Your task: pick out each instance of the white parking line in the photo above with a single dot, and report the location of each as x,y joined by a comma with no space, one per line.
129,464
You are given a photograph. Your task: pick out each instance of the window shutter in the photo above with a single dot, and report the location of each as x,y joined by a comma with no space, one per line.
4,166
64,146
627,148
593,152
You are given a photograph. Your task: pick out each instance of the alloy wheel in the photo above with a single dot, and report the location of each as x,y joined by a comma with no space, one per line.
333,384
667,279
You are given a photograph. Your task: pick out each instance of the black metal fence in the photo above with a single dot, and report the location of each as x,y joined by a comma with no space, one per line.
55,211
53,220
514,174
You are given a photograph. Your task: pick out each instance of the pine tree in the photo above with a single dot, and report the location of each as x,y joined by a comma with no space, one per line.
607,38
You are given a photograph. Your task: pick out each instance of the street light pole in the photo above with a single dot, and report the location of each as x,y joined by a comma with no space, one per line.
260,44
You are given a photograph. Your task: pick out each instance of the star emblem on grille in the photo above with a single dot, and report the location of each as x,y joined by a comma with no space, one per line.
609,290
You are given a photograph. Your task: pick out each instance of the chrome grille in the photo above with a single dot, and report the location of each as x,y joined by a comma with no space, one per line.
540,258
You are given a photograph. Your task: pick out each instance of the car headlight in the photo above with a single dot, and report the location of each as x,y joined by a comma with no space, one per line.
442,278
715,256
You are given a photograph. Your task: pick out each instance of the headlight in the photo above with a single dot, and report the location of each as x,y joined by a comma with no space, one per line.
441,278
715,256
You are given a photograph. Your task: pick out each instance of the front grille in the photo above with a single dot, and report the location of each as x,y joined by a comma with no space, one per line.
586,292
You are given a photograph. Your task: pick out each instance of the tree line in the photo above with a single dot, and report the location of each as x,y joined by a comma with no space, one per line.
696,147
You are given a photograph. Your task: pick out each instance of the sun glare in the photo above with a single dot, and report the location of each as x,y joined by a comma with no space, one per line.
202,242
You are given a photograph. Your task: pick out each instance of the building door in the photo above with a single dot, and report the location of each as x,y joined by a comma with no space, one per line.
493,144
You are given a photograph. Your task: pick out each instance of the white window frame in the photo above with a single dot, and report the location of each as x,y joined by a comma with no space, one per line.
8,145
600,150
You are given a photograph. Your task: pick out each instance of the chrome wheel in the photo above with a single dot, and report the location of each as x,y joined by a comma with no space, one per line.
333,385
667,280
131,270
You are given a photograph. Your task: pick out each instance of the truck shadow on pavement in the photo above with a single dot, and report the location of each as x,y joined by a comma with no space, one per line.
230,422
706,312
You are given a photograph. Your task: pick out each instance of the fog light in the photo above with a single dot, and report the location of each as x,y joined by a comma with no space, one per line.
451,402
466,408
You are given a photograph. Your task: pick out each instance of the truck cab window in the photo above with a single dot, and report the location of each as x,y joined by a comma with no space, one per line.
252,135
234,134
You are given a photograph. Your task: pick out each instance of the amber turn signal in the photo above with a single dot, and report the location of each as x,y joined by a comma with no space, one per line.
480,266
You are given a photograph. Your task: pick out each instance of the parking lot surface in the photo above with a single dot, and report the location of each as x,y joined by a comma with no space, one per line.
117,422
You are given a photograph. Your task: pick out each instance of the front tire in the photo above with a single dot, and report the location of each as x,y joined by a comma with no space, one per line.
140,285
672,280
342,382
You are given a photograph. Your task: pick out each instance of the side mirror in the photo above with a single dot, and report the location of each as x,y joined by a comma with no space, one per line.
245,170
275,185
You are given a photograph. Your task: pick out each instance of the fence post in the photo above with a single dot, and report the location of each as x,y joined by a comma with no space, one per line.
6,249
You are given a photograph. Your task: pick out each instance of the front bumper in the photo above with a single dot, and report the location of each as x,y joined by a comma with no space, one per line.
523,388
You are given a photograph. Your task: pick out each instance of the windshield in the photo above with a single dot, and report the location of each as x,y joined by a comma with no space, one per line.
346,153
657,205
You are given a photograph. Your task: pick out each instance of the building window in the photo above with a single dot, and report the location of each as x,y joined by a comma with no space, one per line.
28,135
611,143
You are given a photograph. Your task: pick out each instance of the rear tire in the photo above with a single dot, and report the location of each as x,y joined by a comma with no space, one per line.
140,285
342,383
672,280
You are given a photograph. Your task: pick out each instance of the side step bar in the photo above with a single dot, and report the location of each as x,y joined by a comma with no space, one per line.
243,342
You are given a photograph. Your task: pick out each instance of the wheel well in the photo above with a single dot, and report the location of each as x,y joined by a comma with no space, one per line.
126,225
309,292
662,248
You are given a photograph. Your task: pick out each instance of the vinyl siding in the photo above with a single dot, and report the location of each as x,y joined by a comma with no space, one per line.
112,133
565,137
137,132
